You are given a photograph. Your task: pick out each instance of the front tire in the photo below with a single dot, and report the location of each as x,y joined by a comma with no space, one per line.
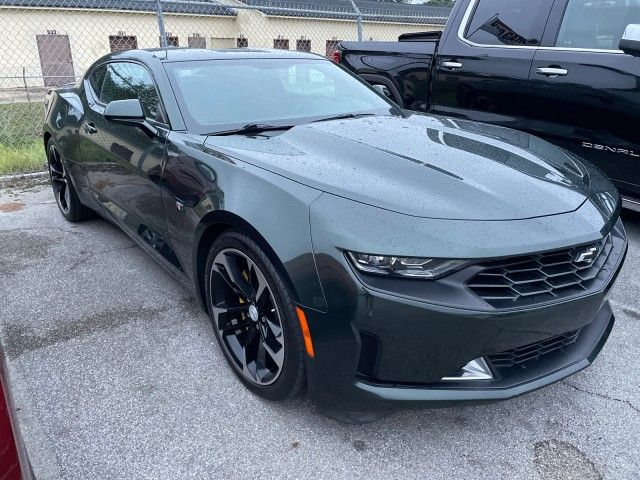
67,199
254,317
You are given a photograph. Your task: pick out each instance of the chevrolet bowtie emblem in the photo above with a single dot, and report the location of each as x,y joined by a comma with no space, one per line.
588,255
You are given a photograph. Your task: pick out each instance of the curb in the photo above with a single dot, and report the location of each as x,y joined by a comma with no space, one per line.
21,176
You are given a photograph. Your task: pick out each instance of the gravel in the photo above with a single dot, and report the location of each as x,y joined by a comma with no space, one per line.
115,373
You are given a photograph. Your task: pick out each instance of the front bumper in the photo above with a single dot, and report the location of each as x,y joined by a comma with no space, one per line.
426,345
378,350
540,373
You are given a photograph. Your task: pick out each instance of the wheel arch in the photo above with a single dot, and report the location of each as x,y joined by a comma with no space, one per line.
209,229
71,172
378,79
46,137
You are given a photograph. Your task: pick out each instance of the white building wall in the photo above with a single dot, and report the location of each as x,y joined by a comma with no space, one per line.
89,31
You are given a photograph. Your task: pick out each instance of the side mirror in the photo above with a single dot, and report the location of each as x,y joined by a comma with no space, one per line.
129,111
124,111
630,42
383,90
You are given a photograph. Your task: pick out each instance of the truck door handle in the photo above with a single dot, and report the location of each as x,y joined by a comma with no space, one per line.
452,65
90,128
552,71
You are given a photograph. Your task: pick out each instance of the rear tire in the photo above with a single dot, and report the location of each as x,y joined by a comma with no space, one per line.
254,317
65,193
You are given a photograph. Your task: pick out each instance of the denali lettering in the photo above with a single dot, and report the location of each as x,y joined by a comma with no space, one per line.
606,148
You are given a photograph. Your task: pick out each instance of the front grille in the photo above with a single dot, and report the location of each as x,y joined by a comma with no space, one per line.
539,278
534,351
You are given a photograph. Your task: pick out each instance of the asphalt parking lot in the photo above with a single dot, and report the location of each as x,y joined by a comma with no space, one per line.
115,373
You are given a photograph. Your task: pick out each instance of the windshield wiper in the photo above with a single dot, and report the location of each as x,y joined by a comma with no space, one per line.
251,128
343,116
265,127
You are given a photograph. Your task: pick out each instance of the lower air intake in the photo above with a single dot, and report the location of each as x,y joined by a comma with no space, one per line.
533,351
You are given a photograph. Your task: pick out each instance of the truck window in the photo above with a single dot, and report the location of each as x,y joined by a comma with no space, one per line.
508,22
597,24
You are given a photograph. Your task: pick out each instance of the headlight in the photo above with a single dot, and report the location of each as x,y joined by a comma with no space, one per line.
426,268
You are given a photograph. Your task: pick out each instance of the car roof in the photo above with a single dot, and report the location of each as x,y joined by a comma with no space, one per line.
175,54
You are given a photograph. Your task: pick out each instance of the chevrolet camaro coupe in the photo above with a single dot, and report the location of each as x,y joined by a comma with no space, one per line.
381,257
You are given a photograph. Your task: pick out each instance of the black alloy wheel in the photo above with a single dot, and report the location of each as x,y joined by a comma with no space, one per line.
59,180
254,318
66,197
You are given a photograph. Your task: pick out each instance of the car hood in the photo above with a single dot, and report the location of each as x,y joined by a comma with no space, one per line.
423,166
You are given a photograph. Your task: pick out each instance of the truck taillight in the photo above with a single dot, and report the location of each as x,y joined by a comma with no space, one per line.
336,56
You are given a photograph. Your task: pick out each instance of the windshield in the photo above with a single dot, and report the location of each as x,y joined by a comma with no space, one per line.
217,95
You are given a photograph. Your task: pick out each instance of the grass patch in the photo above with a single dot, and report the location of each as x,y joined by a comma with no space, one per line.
22,157
21,122
21,148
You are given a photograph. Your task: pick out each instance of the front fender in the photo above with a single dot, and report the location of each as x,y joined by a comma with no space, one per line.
213,189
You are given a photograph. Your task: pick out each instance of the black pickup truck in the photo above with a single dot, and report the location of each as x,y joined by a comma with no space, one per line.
565,70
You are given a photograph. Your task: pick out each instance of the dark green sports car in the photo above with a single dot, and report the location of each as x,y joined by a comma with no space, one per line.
383,258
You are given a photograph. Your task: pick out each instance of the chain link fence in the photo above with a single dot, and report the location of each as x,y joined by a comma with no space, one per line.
52,42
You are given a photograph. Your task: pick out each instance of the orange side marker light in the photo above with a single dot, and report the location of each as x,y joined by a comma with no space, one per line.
306,334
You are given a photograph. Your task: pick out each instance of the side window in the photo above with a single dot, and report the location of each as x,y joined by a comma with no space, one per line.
96,78
124,81
597,24
509,22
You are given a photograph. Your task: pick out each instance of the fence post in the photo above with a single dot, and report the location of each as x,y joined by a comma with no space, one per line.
24,80
358,19
163,33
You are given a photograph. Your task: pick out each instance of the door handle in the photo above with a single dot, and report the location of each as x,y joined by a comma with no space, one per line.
552,71
452,65
90,128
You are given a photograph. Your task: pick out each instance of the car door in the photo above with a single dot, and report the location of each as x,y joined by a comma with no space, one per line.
482,70
586,91
123,162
